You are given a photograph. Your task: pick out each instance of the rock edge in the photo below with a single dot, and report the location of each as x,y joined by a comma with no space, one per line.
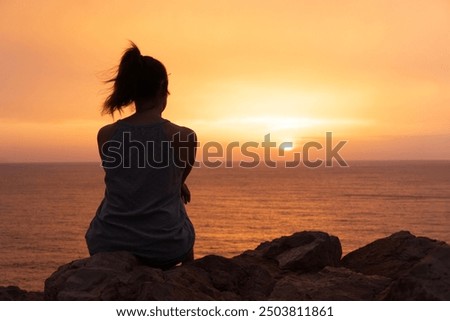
304,266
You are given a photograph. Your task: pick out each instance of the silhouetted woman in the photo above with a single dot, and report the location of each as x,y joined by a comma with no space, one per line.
146,160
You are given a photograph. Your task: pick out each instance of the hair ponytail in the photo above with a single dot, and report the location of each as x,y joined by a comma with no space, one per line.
137,77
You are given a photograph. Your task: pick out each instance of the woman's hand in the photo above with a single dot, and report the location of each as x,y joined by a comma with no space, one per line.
185,194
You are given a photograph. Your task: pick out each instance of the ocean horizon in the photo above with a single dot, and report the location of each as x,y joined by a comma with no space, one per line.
46,208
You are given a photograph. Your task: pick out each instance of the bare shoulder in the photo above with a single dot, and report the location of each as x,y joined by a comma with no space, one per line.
105,133
186,134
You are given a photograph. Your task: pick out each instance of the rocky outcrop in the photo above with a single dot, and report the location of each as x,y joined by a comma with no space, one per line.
329,284
302,252
303,266
418,266
14,293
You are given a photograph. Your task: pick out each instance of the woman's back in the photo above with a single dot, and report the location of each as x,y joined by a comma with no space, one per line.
142,211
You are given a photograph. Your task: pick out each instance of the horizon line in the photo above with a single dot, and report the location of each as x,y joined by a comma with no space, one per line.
233,162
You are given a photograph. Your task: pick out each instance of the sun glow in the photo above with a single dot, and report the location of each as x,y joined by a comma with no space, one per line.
288,145
238,72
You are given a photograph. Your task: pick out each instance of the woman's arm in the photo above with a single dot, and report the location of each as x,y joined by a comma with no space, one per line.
191,150
104,134
184,144
188,158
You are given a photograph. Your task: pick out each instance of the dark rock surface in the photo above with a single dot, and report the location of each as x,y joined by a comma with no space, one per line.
14,293
252,275
302,252
419,266
303,266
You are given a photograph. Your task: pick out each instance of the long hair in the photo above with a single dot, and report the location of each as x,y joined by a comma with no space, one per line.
138,77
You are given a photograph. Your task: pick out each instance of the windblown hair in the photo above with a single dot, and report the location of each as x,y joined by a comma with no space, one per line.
138,77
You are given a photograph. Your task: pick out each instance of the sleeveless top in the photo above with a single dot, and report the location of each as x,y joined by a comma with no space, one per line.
142,211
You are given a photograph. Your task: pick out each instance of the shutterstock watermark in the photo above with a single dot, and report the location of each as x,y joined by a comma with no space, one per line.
129,153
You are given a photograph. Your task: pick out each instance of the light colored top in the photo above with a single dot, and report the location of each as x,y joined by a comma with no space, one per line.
142,211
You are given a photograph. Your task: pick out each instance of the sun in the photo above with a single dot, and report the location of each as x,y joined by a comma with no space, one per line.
287,146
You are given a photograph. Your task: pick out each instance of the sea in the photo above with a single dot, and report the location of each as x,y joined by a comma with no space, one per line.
45,208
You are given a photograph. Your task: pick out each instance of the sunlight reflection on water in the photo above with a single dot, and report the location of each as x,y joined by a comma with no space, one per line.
46,208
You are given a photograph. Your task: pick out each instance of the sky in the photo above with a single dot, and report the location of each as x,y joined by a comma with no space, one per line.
374,73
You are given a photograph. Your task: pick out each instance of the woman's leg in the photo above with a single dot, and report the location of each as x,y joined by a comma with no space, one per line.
189,257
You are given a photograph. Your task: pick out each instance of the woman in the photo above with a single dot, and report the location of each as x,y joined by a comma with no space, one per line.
145,167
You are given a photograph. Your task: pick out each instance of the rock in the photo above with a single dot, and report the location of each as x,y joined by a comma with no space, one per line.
303,251
14,293
250,276
104,276
390,256
331,283
303,266
429,279
419,266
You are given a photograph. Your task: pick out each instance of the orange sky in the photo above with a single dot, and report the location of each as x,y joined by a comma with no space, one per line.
375,73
